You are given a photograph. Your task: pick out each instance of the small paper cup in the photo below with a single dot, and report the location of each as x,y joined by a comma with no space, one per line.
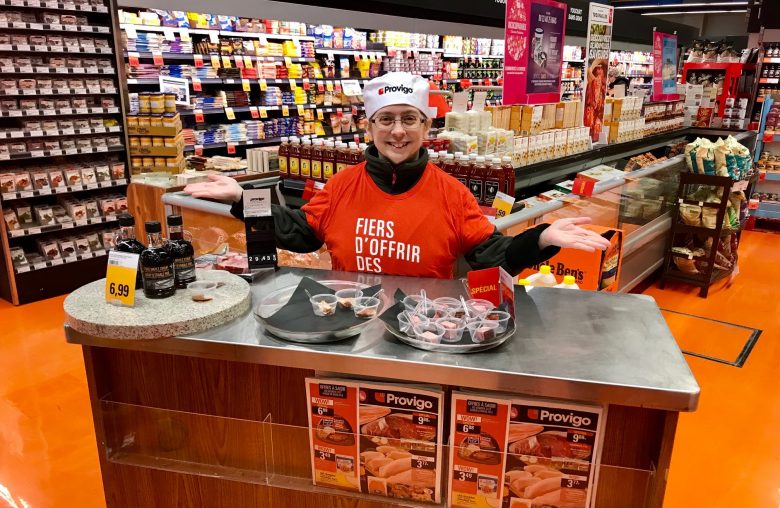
366,307
482,331
346,297
324,304
500,317
429,332
453,328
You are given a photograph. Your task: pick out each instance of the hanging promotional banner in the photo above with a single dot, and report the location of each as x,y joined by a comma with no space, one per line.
664,67
597,64
533,53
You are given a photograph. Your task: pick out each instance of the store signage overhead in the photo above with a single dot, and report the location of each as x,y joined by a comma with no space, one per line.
534,33
665,67
600,20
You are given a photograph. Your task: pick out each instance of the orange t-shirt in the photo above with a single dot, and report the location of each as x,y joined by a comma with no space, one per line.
419,233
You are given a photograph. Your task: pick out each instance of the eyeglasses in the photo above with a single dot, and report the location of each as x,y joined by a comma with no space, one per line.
408,122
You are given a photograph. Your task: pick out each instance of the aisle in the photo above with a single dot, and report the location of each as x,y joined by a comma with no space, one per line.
726,454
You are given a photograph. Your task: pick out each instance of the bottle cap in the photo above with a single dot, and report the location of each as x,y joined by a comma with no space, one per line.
285,139
175,220
568,280
449,156
496,160
545,269
523,282
153,227
480,160
126,220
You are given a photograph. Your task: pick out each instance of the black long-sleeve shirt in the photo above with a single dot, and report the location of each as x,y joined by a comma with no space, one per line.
511,253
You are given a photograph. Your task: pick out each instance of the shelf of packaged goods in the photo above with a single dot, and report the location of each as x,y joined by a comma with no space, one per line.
457,55
55,6
57,70
35,48
46,154
419,50
770,176
689,256
362,53
473,81
163,29
190,57
685,228
240,81
259,35
771,60
767,210
27,113
10,196
38,92
573,61
39,230
292,109
698,203
61,261
769,81
267,141
55,27
58,133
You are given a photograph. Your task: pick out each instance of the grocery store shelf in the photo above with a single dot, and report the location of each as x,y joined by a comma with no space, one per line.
57,70
574,61
10,196
419,50
54,6
259,35
771,177
38,230
27,48
767,210
771,60
57,112
46,154
190,57
456,55
266,142
57,132
769,81
239,81
36,92
363,53
61,261
54,27
293,108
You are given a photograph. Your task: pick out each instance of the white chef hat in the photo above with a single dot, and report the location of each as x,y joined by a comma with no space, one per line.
396,88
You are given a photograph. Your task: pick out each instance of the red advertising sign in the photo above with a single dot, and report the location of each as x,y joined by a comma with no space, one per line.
533,54
597,64
664,67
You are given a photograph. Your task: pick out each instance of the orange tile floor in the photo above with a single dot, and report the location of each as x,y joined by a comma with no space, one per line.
727,454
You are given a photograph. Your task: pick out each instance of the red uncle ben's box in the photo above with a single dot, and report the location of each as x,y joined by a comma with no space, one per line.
494,285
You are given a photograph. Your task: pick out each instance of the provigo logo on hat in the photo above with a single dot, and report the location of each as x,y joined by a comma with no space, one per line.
396,88
400,88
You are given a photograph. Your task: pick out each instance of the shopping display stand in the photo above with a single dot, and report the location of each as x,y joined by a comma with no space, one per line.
732,82
768,177
710,274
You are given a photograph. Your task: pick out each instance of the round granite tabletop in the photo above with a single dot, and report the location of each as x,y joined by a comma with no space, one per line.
88,312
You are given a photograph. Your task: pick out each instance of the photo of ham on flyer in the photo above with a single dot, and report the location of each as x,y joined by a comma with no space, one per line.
401,441
552,455
478,438
333,422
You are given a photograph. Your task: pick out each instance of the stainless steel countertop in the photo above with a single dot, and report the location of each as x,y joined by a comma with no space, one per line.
576,345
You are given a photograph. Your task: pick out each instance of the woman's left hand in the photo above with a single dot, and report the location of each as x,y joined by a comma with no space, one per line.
567,233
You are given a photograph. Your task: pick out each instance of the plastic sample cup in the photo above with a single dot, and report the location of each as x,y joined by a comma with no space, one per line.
450,303
500,317
202,290
453,328
407,321
429,332
478,306
482,331
324,304
346,297
366,307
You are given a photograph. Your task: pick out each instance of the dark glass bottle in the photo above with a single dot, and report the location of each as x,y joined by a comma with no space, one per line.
125,241
182,252
157,264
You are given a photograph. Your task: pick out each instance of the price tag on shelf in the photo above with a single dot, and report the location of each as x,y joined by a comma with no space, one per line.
198,60
320,86
214,36
329,85
246,85
263,113
263,85
215,61
372,57
120,277
28,194
253,111
354,110
157,58
356,139
293,84
306,84
358,57
239,61
132,58
199,116
231,148
226,62
287,61
37,153
248,62
320,115
184,34
301,112
230,114
229,81
753,204
56,262
285,110
169,34
337,86
196,85
198,149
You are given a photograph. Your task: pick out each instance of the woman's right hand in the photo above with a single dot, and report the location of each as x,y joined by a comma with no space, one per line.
222,188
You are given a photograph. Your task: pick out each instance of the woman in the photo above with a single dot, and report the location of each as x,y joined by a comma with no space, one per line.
398,214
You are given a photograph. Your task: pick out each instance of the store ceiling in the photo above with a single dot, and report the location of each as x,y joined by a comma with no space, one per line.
675,7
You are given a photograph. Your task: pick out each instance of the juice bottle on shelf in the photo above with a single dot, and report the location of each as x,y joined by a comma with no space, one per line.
294,158
433,158
157,264
316,160
509,175
305,163
328,161
462,170
354,154
495,181
477,180
342,157
363,147
182,251
284,155
544,278
568,283
126,241
448,164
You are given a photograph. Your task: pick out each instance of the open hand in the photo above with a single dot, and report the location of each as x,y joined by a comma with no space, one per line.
222,188
567,233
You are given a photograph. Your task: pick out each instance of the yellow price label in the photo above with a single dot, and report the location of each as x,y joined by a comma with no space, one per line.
230,114
300,109
226,62
329,85
120,278
318,73
285,111
247,86
263,113
320,114
503,204
215,61
248,62
293,85
287,61
263,85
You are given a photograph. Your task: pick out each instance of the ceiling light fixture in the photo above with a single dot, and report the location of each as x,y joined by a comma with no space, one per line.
655,6
691,12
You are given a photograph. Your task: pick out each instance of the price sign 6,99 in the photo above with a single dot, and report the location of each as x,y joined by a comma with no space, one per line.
120,278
